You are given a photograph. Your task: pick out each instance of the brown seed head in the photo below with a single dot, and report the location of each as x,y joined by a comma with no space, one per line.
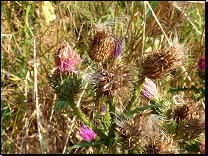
190,128
113,80
180,113
157,64
101,44
159,145
130,132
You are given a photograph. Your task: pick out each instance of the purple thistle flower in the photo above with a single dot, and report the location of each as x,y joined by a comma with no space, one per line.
201,63
149,89
86,133
66,59
118,48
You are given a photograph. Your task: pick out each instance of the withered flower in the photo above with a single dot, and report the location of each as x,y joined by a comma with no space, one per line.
118,43
190,128
114,80
130,131
159,145
157,63
66,59
101,44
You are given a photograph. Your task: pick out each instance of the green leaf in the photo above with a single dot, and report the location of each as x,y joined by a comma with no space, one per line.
26,19
60,104
101,122
140,109
87,144
187,89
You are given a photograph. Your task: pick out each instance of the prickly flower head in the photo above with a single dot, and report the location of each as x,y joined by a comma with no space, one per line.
157,64
130,131
190,128
66,59
113,80
149,89
101,45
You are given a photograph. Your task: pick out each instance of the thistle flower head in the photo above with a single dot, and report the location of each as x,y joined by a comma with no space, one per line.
201,64
66,59
130,131
101,44
190,128
157,64
149,89
113,80
86,133
159,145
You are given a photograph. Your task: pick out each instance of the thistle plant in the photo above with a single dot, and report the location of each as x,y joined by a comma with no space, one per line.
121,121
126,77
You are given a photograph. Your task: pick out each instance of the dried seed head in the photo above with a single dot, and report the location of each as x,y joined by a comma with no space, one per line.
180,113
101,44
113,80
130,131
190,128
157,64
159,145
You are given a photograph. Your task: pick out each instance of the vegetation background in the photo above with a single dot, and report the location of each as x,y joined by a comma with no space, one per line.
28,26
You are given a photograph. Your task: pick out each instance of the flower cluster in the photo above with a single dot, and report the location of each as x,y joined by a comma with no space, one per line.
86,133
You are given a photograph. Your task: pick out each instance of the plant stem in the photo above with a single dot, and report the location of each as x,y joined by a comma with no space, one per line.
111,133
136,93
86,122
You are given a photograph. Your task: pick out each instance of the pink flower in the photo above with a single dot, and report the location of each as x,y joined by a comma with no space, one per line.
86,133
149,89
201,63
66,59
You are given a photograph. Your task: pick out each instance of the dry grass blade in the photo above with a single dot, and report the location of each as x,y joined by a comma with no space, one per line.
36,96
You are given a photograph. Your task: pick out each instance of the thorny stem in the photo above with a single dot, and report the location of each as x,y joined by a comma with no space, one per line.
136,93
